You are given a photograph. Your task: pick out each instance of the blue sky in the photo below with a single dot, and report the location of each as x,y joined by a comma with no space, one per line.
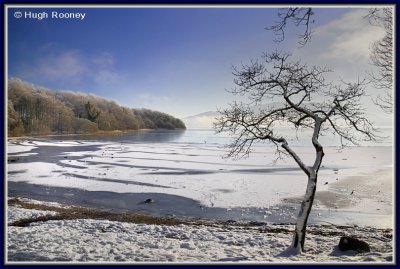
175,60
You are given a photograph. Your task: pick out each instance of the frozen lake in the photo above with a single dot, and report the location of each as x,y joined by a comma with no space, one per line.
184,173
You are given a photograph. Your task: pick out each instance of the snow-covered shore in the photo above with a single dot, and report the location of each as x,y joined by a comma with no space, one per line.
355,190
89,240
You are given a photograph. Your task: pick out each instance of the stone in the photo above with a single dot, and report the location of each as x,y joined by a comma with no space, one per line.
148,201
188,245
352,243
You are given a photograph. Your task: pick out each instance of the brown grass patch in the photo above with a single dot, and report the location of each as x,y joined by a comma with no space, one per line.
70,213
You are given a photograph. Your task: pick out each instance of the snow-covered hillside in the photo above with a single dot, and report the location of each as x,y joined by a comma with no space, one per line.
201,121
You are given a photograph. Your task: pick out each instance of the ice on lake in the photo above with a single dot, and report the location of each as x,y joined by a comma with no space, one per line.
191,165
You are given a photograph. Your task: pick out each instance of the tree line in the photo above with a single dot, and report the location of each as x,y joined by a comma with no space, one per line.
37,111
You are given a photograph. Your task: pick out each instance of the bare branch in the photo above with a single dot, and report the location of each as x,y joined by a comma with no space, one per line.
298,95
299,17
297,159
382,56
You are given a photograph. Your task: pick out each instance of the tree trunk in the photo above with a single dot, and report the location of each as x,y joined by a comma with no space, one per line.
308,200
305,209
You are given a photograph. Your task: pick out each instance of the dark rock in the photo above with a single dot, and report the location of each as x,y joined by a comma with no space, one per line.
148,201
352,243
256,223
13,160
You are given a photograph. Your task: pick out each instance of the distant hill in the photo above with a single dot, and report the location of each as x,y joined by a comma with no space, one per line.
203,120
36,111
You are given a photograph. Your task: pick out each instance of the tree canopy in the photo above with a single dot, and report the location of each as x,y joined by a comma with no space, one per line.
36,111
299,97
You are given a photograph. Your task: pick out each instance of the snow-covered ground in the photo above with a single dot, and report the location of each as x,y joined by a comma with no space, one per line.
118,242
15,213
355,187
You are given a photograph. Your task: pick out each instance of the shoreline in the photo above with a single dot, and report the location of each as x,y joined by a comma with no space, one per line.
68,234
69,212
98,133
122,132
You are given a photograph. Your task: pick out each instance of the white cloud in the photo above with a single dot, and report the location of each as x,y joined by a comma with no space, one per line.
55,66
71,67
104,59
104,73
342,45
149,100
349,37
106,77
64,65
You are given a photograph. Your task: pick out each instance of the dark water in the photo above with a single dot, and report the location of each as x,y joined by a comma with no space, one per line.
199,136
164,205
152,136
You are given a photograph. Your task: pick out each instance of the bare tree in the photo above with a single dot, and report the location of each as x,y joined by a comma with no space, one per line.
301,17
299,96
382,56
